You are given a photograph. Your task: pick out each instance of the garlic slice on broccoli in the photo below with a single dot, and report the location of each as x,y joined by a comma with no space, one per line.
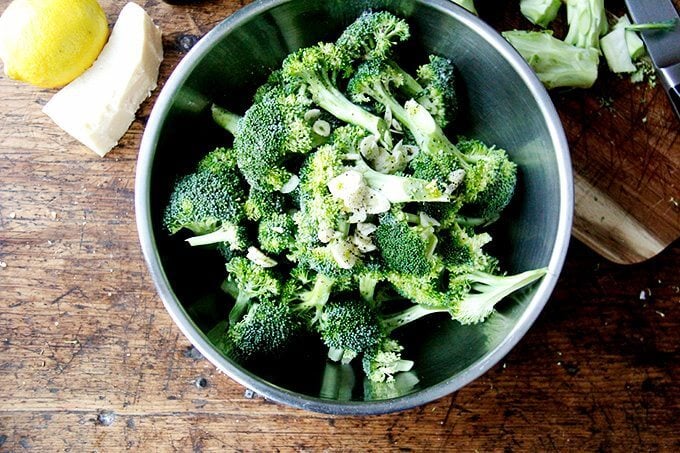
259,258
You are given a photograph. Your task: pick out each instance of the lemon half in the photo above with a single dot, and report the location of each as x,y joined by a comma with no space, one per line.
48,43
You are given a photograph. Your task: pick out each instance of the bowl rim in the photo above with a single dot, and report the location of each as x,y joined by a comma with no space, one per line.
281,395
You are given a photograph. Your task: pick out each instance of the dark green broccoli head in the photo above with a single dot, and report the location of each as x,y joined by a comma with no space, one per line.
202,201
349,324
373,35
267,328
320,259
373,80
253,280
438,167
319,210
346,140
273,130
425,291
492,178
461,250
321,64
276,233
218,160
261,204
274,82
438,78
405,249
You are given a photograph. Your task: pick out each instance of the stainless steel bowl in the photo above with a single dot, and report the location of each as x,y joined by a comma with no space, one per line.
507,106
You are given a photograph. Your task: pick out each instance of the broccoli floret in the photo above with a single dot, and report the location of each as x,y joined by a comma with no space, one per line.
205,201
486,174
267,328
493,174
261,204
349,327
540,12
381,363
276,233
374,79
373,35
435,88
218,160
469,298
319,211
311,297
439,97
486,290
319,68
461,250
404,248
555,62
271,132
253,282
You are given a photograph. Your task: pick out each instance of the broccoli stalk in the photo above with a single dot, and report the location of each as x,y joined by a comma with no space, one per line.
486,172
229,233
316,298
555,62
540,12
470,298
319,67
226,119
587,21
400,189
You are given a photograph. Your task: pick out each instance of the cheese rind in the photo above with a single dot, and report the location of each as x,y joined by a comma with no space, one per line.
98,107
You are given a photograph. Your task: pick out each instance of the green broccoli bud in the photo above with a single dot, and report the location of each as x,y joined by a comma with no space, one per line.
349,327
276,233
253,282
406,249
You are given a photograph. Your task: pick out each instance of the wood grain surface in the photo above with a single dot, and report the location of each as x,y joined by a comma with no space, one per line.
90,361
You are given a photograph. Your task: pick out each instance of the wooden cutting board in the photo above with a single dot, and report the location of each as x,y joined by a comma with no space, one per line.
625,149
623,136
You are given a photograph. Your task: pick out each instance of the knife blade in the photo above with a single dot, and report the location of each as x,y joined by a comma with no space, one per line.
663,46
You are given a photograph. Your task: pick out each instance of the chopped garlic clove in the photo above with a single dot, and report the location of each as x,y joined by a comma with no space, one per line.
259,258
290,185
344,253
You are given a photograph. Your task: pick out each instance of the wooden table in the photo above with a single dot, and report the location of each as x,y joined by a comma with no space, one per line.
90,361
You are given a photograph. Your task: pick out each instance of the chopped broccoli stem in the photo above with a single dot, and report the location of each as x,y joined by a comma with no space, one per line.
467,4
540,12
555,62
226,119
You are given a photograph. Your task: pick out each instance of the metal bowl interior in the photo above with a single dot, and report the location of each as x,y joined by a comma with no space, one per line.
505,106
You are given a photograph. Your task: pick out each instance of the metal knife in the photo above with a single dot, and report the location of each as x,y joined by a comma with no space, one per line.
663,46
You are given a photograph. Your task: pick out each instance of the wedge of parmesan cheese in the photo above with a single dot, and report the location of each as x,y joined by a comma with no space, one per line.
98,107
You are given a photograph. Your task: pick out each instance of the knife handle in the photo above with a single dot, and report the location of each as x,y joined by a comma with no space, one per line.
670,79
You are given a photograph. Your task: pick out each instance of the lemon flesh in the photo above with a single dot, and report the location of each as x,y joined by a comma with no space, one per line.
98,107
48,43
